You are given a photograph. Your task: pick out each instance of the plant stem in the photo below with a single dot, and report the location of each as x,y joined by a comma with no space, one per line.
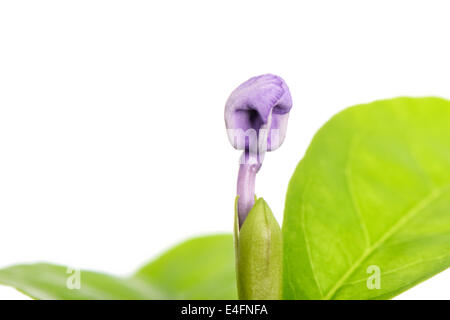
246,185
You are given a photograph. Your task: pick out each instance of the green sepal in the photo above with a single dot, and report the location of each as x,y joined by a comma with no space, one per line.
236,240
259,255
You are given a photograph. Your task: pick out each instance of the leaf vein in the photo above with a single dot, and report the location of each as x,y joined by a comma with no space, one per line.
406,266
420,205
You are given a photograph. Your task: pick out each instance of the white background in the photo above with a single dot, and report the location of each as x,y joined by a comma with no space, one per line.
112,139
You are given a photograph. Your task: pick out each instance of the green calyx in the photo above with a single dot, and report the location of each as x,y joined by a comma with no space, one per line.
258,246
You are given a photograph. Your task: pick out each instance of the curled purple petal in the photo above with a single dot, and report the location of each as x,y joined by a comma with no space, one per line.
257,112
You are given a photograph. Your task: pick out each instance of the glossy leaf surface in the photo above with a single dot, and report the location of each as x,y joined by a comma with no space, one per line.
371,197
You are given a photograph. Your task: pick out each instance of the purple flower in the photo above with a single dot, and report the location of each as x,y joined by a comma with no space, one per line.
256,115
257,112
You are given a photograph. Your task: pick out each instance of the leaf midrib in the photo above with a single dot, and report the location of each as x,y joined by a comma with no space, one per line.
421,205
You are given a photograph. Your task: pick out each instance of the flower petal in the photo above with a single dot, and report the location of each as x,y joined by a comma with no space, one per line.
261,102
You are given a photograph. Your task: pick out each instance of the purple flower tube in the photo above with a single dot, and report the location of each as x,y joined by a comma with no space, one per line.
256,115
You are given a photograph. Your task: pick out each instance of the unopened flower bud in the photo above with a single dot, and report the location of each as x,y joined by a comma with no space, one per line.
256,113
256,116
259,255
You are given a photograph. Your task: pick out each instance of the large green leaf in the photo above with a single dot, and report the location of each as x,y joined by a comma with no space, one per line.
49,282
371,193
200,268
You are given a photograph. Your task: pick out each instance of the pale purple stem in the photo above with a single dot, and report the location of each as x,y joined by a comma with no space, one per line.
248,168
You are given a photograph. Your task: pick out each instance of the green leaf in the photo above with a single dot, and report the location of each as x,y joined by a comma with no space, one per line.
259,255
200,268
50,282
372,193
